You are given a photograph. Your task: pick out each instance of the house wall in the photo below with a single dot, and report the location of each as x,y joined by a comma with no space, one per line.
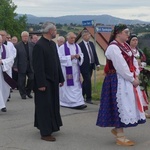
100,52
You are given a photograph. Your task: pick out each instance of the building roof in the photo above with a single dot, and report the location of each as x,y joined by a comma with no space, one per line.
102,38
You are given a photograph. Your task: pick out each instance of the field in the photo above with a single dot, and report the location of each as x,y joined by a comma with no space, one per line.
97,80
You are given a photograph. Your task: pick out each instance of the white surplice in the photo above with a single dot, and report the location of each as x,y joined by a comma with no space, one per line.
127,104
71,96
7,65
13,52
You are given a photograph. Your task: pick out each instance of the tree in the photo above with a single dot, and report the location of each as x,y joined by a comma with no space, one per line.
147,54
9,20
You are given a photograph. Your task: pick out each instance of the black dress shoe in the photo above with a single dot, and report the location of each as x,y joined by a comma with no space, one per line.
80,107
89,102
4,109
23,96
48,138
30,96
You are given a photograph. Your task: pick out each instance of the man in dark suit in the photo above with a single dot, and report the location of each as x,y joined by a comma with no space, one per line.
90,60
23,64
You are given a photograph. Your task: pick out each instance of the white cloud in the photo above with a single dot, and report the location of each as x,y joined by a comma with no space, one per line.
53,8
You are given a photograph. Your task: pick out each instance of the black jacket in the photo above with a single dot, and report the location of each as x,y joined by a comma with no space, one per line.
86,63
21,60
46,63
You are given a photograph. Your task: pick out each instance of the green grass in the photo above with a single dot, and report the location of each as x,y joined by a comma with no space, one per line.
97,86
96,89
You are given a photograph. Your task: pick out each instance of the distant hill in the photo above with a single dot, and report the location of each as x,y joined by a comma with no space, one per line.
77,19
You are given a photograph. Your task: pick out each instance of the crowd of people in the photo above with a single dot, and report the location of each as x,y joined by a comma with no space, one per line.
53,72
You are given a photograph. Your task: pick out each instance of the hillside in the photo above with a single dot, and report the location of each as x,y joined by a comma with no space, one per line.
77,19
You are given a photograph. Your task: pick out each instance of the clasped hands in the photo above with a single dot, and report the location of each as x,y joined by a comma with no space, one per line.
77,56
136,82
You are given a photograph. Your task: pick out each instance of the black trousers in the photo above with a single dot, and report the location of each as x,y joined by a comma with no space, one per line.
25,86
86,84
15,75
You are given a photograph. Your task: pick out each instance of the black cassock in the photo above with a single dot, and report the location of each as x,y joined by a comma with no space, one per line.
47,73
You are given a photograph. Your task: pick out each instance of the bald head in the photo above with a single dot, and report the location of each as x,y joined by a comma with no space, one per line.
71,38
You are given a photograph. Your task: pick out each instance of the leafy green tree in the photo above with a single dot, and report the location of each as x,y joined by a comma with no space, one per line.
62,32
147,54
9,20
59,26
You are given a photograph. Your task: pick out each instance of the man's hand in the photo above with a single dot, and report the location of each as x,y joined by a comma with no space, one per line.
77,56
98,67
73,57
42,88
61,84
15,69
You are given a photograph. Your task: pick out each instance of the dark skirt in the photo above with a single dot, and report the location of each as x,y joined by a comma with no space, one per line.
108,115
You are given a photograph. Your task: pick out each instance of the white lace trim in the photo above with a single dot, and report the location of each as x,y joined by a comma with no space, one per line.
127,108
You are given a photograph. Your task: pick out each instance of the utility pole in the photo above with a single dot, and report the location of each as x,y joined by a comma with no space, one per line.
94,25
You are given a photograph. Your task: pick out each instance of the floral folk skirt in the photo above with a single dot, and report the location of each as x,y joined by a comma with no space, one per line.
108,115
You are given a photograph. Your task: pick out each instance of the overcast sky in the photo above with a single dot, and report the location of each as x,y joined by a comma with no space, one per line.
128,9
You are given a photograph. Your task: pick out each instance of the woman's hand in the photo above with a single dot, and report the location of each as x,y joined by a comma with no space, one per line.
136,82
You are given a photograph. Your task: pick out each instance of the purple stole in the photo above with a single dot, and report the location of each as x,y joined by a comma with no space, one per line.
7,78
69,72
4,52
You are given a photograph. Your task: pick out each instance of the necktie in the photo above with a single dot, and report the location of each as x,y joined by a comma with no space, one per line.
91,53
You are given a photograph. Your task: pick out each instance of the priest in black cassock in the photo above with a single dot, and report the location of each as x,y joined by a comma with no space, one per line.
48,77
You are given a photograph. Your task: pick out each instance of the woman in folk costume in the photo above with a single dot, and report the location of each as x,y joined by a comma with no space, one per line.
138,54
121,104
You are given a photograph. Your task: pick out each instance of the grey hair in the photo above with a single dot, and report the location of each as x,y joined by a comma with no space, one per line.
47,26
3,31
70,33
61,38
25,32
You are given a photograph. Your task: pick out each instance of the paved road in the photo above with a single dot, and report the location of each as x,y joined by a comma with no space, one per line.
79,131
